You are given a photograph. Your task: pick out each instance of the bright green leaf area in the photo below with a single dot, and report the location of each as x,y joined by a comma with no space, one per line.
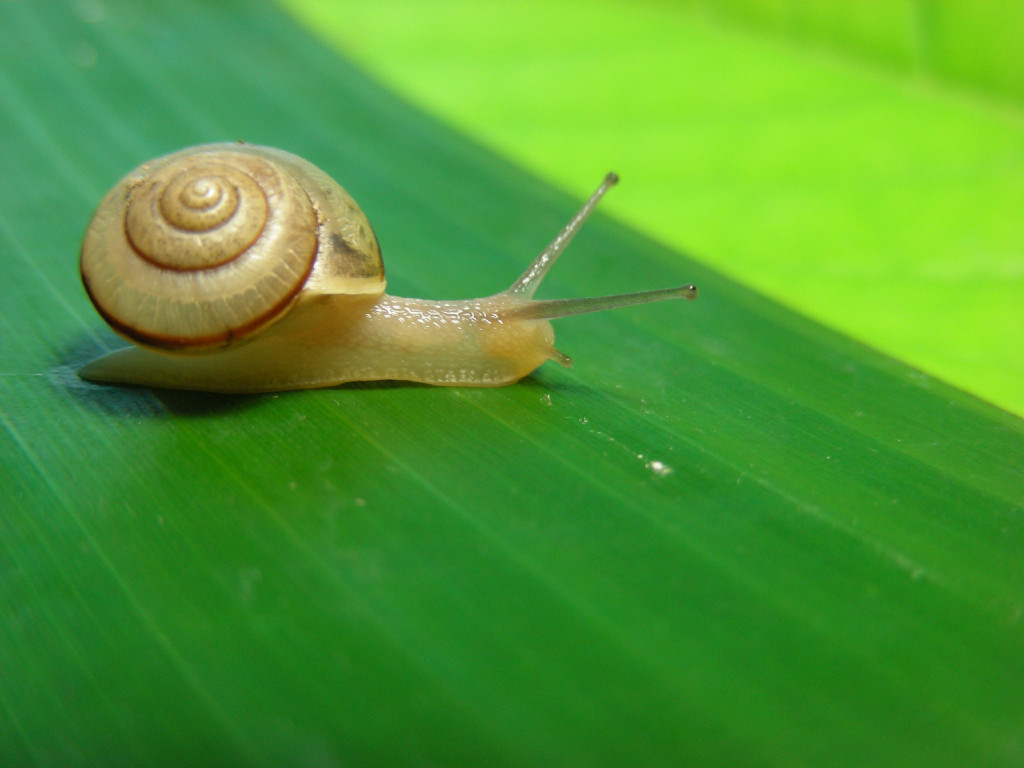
862,162
728,536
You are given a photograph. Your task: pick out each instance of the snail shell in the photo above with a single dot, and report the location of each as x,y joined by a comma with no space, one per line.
206,247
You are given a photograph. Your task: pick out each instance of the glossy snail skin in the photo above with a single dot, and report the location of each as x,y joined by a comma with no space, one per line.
238,268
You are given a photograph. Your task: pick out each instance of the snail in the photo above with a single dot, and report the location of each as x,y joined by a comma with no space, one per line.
241,268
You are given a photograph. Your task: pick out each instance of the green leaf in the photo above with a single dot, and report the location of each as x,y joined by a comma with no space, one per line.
728,536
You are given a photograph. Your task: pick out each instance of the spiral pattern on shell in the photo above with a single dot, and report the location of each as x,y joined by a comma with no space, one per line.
200,248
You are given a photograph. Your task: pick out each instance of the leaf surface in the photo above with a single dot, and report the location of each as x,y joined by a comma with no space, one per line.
727,536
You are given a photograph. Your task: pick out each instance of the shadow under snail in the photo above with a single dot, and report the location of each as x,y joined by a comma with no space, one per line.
241,268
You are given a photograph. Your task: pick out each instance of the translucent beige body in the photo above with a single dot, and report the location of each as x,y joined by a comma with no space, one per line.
330,339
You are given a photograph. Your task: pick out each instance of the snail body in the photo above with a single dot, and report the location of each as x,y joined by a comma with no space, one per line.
240,268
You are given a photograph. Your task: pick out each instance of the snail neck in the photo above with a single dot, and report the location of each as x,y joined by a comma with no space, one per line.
479,342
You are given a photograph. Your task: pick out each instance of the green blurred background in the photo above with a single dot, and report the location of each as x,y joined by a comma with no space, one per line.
861,162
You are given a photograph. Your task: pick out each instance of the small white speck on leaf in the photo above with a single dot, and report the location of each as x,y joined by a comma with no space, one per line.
659,468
